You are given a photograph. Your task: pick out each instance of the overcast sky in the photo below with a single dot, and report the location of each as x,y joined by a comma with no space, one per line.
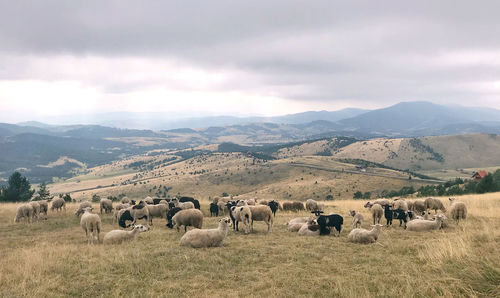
243,57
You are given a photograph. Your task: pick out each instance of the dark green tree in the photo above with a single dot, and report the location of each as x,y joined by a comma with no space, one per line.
358,195
96,198
43,192
17,190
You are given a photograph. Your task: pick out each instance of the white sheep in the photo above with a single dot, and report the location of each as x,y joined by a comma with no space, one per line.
242,214
24,211
458,210
91,225
82,206
262,213
183,205
295,224
120,236
400,204
106,205
148,200
365,236
36,210
310,228
188,217
58,204
357,219
159,210
376,210
419,225
198,238
434,204
44,207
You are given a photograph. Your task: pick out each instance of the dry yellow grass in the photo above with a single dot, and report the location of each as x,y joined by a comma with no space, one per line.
51,259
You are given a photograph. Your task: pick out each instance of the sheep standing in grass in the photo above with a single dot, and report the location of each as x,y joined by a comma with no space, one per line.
91,225
118,211
106,205
365,236
24,211
44,207
376,210
417,206
189,217
400,204
419,225
241,214
458,210
198,238
120,236
310,228
139,211
262,213
159,211
82,207
58,204
214,209
36,210
182,205
357,219
434,204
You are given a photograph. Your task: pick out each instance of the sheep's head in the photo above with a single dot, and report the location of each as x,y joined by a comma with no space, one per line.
368,205
352,212
140,228
226,220
451,200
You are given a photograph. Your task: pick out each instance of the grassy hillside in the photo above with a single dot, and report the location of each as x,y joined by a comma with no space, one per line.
52,259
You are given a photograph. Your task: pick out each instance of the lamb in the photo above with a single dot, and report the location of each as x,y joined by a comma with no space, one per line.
434,204
106,205
26,211
243,214
188,217
81,208
311,228
364,236
458,210
400,204
198,238
120,236
182,205
91,225
214,209
376,210
419,225
262,213
36,210
357,219
58,204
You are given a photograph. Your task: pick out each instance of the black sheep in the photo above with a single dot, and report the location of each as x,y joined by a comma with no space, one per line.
196,203
395,214
325,222
274,206
171,214
229,205
214,209
388,215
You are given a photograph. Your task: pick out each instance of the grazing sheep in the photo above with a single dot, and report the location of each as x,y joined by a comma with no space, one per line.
106,205
293,206
262,213
182,205
214,209
120,236
263,202
243,214
197,238
311,205
125,200
188,217
91,225
444,222
410,204
221,203
44,207
58,204
36,210
458,210
417,206
26,211
310,228
139,211
357,219
419,225
434,204
118,211
325,222
159,211
376,210
196,203
82,206
381,202
364,236
400,204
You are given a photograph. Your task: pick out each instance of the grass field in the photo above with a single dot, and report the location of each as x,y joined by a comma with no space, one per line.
51,259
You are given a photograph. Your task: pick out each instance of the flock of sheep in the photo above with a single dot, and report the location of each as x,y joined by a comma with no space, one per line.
185,211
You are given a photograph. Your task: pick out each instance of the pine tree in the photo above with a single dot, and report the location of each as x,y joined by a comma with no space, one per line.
43,192
17,190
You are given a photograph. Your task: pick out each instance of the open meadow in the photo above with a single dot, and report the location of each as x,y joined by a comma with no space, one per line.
52,259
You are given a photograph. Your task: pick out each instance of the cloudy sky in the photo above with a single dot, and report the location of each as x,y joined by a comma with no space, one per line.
192,58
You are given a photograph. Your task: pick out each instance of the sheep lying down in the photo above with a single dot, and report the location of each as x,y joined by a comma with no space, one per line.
198,238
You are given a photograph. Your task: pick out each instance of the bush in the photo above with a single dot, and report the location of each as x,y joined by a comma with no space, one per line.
329,198
358,195
96,198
